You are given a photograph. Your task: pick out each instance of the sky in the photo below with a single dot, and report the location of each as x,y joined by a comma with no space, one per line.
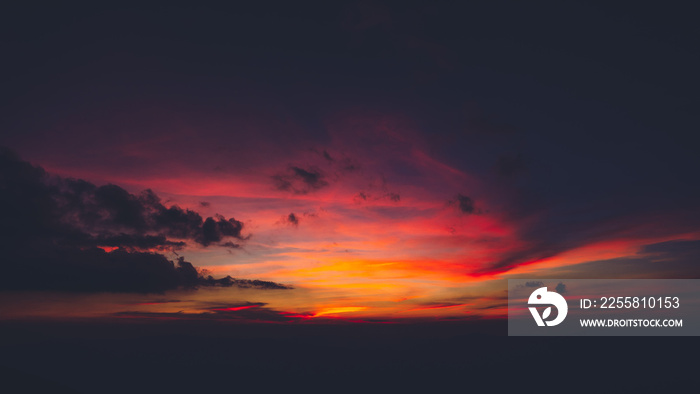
341,162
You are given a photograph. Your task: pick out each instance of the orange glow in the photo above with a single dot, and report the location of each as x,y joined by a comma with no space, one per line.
236,308
334,311
414,256
438,307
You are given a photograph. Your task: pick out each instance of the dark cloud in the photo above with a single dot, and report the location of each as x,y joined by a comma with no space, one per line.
256,315
239,312
534,284
231,245
228,281
88,214
299,180
138,242
204,204
361,196
465,204
215,230
293,219
561,288
55,233
366,196
244,312
94,270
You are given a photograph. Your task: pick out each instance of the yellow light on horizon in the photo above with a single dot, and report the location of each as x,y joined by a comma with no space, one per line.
343,309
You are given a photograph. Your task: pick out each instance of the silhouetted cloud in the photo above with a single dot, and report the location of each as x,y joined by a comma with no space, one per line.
465,204
243,312
293,219
138,242
561,288
363,196
55,235
228,281
299,180
215,230
109,214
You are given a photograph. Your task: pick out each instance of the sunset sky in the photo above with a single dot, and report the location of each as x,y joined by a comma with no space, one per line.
364,162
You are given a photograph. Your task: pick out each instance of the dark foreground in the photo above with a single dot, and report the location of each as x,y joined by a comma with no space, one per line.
193,357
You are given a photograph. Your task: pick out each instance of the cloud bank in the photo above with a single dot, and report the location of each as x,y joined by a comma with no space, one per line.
70,235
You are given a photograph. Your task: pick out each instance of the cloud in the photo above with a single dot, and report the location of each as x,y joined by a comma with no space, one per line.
215,230
465,204
361,196
241,312
395,197
55,233
534,284
293,219
138,242
228,281
364,196
299,180
88,214
561,288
